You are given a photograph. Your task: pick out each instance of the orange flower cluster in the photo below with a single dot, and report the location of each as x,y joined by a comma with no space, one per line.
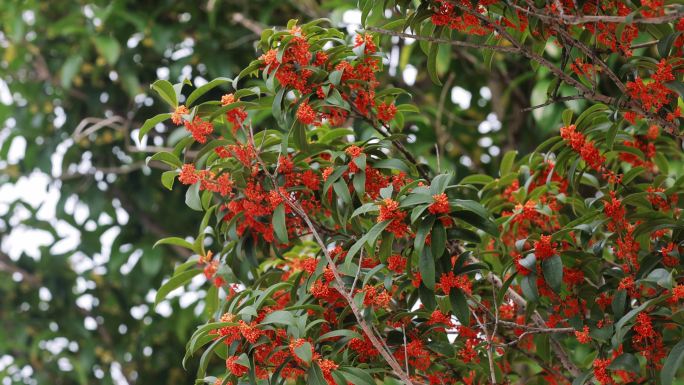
450,281
221,184
390,211
586,149
440,204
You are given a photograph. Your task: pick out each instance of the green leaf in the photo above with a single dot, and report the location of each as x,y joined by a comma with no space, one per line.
422,233
340,333
507,162
279,226
174,241
626,362
665,44
528,284
374,232
151,122
478,222
416,199
672,363
304,352
472,206
192,198
212,300
553,272
677,87
279,317
206,88
166,92
504,288
168,177
543,346
582,379
432,64
108,47
440,183
426,266
567,117
408,108
459,305
335,77
167,158
620,329
315,376
438,240
392,164
660,276
477,179
356,376
365,208
204,360
69,70
175,282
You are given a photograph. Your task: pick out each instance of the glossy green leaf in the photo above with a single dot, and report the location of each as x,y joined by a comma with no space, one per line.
175,282
166,91
196,94
151,122
673,363
552,268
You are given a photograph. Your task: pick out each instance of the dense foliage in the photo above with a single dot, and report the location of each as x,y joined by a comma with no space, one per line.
334,254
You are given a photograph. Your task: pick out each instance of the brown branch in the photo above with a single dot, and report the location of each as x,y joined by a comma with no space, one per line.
383,130
537,318
456,43
563,18
338,283
594,58
250,24
571,19
553,101
536,329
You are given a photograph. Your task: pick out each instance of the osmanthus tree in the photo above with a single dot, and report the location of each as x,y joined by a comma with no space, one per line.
334,255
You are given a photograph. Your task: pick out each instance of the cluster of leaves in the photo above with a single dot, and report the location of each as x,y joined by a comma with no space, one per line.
336,258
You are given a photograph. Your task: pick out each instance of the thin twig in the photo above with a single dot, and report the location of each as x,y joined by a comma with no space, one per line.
553,101
250,24
383,130
431,39
490,353
576,19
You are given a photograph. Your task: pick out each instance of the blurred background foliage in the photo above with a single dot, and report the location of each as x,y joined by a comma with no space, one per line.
79,208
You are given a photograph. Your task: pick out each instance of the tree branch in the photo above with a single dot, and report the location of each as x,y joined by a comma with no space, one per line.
339,283
456,43
552,101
